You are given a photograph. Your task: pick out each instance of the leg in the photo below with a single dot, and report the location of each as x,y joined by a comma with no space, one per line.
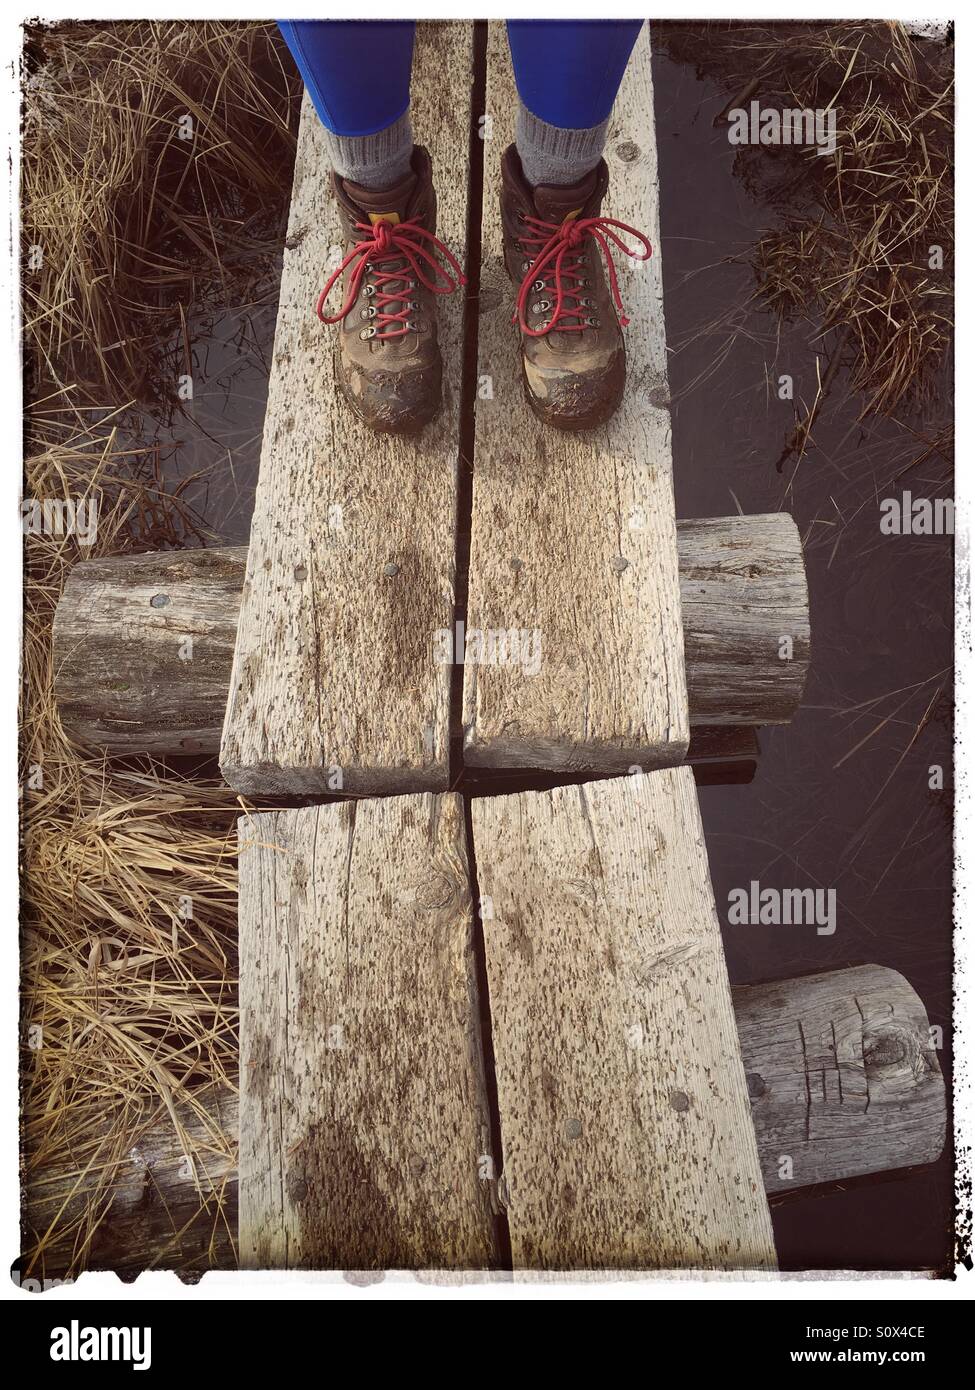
558,243
388,360
358,75
567,73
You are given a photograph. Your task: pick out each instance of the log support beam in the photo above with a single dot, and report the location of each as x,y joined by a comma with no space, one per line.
143,644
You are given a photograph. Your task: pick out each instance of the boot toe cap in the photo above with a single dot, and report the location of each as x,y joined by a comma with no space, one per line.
576,400
393,402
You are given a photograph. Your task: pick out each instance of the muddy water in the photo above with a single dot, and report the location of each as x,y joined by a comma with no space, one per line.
841,799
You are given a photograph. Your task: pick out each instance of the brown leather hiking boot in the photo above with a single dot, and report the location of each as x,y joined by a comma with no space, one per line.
388,360
555,242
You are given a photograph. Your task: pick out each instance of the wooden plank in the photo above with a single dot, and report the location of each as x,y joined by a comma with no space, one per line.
351,564
125,681
624,1110
843,1076
573,537
364,1130
159,1219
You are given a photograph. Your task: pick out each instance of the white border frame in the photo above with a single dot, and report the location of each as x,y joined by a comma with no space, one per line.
301,1287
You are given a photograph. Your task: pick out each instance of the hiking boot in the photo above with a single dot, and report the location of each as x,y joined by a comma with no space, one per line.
388,360
555,243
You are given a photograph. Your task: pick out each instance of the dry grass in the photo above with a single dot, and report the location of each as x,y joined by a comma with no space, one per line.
126,223
852,245
134,996
128,870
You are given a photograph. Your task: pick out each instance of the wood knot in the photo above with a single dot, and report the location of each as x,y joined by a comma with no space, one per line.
890,1047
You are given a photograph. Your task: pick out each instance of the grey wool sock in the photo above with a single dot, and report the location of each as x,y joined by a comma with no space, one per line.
374,161
553,155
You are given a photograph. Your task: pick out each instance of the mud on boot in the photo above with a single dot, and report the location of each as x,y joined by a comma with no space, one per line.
388,358
557,250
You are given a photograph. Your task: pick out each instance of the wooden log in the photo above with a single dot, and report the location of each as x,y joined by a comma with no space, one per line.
351,562
128,679
159,1200
143,646
843,1076
573,536
624,1110
745,609
364,1129
166,1214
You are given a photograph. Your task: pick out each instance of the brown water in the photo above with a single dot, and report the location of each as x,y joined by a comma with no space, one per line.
841,797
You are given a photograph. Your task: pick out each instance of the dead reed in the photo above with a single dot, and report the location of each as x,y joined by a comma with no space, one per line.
855,244
153,157
128,908
128,929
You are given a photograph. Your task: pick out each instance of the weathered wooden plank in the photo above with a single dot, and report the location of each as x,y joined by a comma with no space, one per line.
157,1217
364,1131
351,565
624,1111
573,537
843,1076
127,680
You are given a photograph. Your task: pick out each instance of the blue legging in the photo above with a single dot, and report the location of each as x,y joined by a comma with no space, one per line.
358,71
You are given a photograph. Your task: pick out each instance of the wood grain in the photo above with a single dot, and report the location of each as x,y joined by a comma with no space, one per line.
159,1217
143,647
843,1075
573,536
364,1134
350,571
745,606
625,1120
124,683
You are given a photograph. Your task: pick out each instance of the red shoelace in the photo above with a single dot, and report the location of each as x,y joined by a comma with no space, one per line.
556,266
381,253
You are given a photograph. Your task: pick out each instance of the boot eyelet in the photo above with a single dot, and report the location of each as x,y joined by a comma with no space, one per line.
367,333
541,306
538,286
412,327
413,305
369,291
368,313
524,266
592,322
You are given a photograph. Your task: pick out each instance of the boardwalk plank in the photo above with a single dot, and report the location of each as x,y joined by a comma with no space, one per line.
624,1111
574,536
